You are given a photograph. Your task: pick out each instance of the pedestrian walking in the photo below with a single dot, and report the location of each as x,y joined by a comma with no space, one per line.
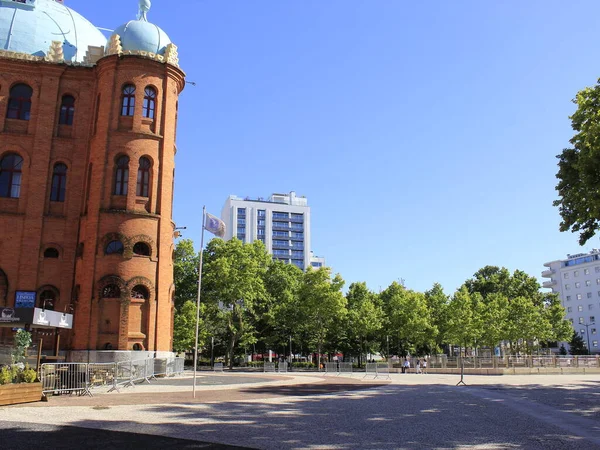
406,366
425,366
418,366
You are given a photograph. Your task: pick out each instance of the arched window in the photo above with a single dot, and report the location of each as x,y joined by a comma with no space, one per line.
59,183
140,293
108,346
114,247
48,300
67,110
149,102
51,253
111,291
141,249
122,176
138,347
128,102
10,176
19,102
143,178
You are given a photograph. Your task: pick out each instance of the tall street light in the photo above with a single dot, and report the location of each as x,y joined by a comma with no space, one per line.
587,332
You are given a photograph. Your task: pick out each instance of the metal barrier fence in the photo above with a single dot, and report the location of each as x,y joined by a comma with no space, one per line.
82,378
65,377
331,367
377,370
269,367
345,368
498,362
282,367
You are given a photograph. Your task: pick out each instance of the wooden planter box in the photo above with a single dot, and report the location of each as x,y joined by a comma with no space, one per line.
12,394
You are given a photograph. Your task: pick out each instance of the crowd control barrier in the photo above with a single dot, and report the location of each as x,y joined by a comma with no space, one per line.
83,378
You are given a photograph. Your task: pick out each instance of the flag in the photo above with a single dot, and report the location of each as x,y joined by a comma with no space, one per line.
215,225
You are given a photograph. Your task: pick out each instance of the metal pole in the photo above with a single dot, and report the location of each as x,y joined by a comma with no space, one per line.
198,301
587,332
291,357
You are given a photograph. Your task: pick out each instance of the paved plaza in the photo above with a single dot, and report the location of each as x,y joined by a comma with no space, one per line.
310,411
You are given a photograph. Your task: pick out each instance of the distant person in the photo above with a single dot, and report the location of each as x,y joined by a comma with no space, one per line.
406,366
425,366
418,366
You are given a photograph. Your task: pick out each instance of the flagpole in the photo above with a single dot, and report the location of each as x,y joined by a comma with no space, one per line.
198,299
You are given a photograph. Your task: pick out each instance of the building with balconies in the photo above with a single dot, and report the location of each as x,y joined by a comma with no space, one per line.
281,222
576,280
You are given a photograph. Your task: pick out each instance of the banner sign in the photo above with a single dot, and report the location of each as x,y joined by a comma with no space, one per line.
36,316
25,299
48,318
16,315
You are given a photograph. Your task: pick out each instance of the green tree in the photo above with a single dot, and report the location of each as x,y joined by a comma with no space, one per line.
559,328
185,272
463,318
322,304
526,324
184,329
493,314
279,315
577,345
232,282
437,302
363,322
579,169
408,318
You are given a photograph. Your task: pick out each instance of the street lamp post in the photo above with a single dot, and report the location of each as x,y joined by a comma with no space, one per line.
587,332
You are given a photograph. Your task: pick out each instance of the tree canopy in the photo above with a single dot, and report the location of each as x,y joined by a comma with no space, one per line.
579,169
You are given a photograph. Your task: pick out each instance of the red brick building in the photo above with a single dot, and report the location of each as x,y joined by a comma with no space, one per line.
87,148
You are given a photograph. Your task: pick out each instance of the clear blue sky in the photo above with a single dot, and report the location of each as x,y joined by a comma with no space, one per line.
424,135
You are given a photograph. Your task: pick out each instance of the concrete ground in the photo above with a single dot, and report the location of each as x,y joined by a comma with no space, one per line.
308,411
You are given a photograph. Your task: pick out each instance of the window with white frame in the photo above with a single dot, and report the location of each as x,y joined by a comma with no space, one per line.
576,273
588,283
581,320
567,287
592,319
577,285
586,271
569,297
594,343
566,275
578,296
593,331
580,308
570,309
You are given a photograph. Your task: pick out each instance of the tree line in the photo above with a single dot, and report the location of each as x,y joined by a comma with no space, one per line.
251,303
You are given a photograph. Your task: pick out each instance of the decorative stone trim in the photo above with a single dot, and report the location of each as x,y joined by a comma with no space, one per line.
55,53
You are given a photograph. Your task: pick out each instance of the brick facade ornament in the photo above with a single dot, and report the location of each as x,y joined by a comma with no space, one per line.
55,53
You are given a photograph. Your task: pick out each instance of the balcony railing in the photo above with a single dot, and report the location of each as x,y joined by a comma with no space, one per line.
549,284
548,273
279,226
297,219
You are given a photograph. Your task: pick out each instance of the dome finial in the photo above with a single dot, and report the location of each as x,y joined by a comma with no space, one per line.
144,8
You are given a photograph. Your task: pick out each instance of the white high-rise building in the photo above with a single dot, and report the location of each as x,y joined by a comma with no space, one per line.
281,222
577,282
316,261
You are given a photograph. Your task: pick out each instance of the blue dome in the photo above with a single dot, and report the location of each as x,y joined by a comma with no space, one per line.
31,27
139,35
